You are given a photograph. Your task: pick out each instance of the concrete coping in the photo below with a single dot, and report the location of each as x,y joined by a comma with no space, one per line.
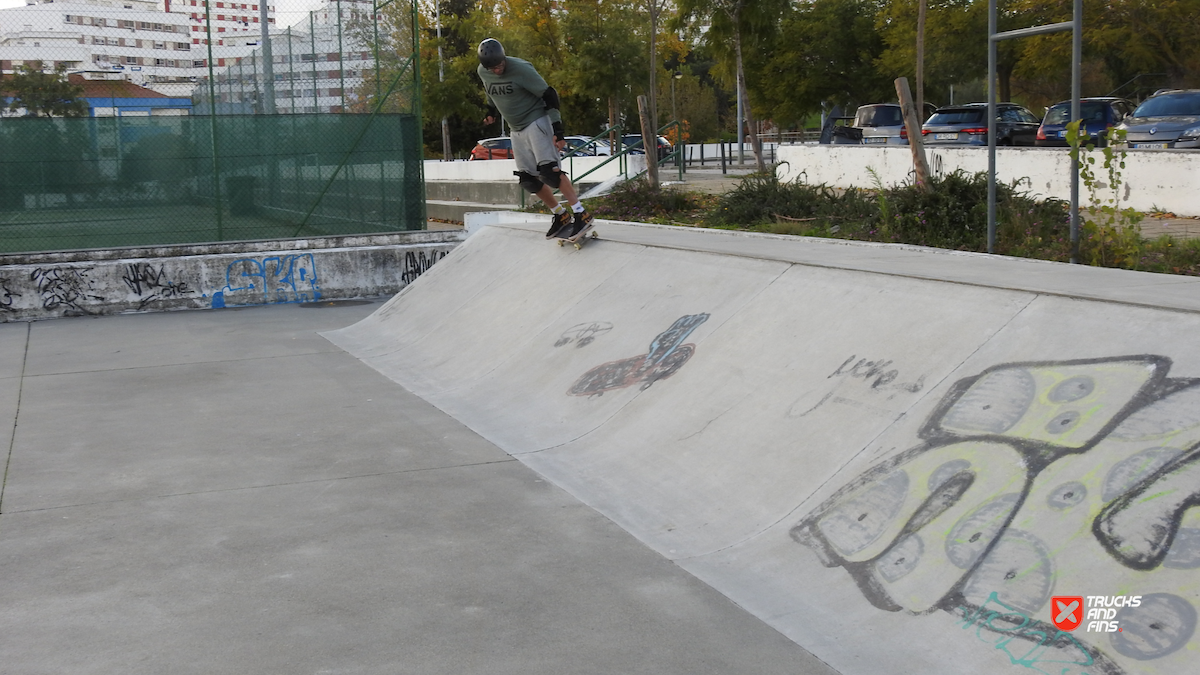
1144,289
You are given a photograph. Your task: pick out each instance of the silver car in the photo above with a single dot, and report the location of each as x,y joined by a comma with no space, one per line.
883,123
1168,119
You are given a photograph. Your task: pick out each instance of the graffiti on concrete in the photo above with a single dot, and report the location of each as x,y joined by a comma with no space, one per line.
666,355
150,284
1033,644
69,288
7,296
1022,469
583,334
417,263
270,280
878,374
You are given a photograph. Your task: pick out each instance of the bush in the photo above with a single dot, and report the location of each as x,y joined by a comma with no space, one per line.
762,202
635,200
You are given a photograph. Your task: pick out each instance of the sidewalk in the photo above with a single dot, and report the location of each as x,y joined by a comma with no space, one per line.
228,492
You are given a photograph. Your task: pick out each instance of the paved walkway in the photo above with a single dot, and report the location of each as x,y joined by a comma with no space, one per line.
227,492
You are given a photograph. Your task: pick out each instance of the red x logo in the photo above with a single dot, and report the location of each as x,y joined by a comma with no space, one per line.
1066,611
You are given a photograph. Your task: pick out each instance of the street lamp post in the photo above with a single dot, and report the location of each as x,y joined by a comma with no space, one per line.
674,114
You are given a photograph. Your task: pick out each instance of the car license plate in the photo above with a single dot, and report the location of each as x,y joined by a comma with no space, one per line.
875,139
1062,134
946,137
1151,146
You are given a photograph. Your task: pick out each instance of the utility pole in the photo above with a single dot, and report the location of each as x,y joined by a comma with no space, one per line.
268,61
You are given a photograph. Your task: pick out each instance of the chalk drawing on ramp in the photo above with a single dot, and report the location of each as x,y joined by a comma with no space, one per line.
1023,475
583,334
666,355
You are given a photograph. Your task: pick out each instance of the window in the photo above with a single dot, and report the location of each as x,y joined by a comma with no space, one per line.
182,47
160,45
198,64
131,60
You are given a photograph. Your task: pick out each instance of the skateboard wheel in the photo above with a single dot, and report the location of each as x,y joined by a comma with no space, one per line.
560,242
578,246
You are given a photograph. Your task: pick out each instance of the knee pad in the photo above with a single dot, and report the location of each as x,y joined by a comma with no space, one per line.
551,174
528,181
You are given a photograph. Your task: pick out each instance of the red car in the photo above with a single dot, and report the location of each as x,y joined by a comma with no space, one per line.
493,148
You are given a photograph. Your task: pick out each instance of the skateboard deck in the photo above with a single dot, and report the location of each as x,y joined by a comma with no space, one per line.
579,240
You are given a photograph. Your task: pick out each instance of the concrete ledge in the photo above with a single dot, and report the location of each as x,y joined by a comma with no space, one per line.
457,210
1153,180
213,276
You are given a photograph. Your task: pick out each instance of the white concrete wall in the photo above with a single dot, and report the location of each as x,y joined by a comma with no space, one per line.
1152,180
502,169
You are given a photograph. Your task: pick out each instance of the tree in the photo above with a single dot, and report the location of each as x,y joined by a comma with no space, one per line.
827,51
605,57
44,94
739,22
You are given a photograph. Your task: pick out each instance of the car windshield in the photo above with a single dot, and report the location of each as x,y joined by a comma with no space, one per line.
1168,105
878,116
1088,111
956,117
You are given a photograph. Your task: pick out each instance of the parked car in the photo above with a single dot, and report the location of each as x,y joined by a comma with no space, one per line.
1168,119
883,123
493,148
634,143
967,125
580,145
1098,115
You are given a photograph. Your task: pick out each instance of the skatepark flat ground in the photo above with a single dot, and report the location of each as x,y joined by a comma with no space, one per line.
228,492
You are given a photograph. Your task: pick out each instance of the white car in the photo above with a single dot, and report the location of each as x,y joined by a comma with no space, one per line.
581,146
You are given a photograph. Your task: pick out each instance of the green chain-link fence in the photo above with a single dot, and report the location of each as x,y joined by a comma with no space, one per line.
289,150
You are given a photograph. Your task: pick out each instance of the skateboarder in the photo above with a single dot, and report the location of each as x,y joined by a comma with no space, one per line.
516,91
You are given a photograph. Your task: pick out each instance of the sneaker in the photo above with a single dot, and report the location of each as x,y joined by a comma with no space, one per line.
559,224
580,226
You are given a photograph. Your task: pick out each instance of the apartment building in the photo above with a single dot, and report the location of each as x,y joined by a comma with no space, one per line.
316,66
154,43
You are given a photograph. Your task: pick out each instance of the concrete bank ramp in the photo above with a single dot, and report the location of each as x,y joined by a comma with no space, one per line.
906,461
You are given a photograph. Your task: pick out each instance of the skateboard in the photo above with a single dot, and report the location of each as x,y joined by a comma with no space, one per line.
578,241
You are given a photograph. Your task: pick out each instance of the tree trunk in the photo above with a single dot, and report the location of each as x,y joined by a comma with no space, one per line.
755,144
653,93
1003,82
920,92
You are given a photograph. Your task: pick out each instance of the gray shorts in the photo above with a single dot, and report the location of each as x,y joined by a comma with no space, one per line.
534,146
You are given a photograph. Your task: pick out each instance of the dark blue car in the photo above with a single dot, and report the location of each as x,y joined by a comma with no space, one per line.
1098,114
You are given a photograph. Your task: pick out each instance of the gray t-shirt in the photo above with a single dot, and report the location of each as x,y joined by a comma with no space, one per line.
517,94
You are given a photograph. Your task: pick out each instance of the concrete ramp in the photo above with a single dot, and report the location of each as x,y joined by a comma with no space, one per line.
905,460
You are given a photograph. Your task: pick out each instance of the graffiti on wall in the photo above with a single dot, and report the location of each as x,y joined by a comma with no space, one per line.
67,288
7,296
417,263
270,280
151,284
1019,471
666,355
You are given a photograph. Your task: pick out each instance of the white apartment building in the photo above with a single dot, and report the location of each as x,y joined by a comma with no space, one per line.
158,44
314,69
